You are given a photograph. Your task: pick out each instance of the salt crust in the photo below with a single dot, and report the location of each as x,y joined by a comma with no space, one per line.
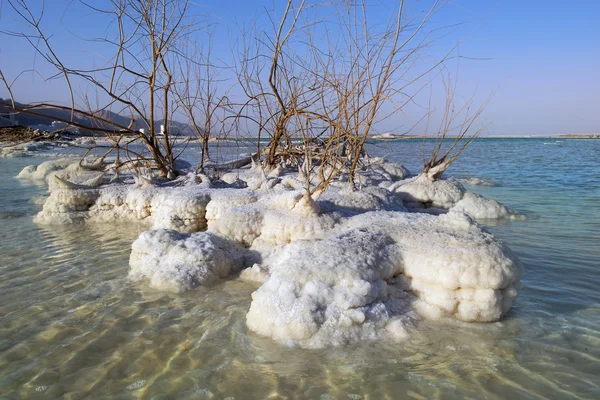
352,266
367,279
176,262
420,192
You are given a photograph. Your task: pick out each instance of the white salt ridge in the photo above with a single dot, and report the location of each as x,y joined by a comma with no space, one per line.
66,172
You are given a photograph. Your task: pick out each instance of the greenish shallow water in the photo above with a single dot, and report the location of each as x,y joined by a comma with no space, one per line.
72,326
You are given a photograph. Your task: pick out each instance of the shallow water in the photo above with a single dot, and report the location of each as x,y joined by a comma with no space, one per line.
72,325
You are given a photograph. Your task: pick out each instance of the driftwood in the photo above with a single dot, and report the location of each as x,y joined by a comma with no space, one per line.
235,164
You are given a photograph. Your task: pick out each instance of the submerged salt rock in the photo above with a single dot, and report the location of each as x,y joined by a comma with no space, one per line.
44,169
479,207
176,262
421,191
475,181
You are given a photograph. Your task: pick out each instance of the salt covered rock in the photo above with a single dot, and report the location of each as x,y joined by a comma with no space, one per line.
333,291
421,192
365,281
176,262
481,208
40,172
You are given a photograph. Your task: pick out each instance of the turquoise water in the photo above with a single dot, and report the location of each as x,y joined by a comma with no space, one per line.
72,326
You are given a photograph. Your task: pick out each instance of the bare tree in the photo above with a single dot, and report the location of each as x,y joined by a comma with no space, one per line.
456,130
319,92
136,79
198,96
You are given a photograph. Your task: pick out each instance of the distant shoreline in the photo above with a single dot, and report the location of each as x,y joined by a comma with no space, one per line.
580,136
555,136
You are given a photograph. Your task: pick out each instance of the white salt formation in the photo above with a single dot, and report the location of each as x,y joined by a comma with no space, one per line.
66,173
364,281
423,193
353,265
175,262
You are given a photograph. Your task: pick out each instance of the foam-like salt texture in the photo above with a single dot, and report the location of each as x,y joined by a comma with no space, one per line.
176,262
333,291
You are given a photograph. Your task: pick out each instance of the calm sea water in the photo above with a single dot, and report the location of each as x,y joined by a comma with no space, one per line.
72,326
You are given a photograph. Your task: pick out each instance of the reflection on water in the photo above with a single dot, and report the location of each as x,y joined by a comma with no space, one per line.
72,325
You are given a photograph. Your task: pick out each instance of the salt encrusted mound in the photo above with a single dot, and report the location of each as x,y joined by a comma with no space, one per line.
44,169
480,208
176,262
390,170
66,172
365,281
369,199
333,291
420,192
455,268
182,208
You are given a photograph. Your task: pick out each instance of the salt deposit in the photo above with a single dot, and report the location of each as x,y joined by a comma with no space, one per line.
350,266
367,280
474,181
41,171
174,262
423,193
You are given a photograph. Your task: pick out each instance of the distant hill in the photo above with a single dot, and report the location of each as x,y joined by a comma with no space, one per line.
52,114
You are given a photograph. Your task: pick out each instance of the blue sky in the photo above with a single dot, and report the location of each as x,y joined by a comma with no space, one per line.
541,57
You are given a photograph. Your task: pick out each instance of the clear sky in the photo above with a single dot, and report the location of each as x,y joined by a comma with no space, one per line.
543,57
